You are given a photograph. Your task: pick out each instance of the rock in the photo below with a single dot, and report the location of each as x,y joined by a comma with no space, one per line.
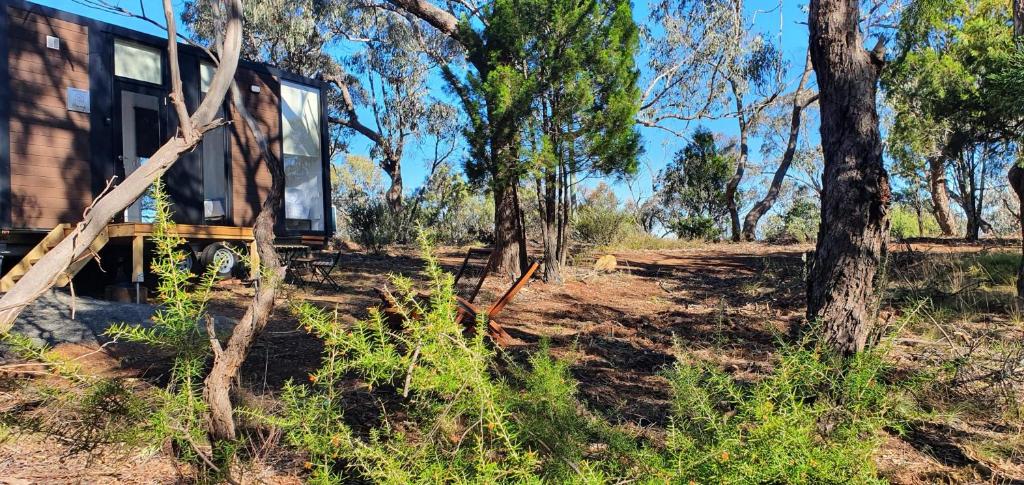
606,264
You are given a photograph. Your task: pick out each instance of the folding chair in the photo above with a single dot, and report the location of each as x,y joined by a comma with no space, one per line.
323,268
470,277
468,312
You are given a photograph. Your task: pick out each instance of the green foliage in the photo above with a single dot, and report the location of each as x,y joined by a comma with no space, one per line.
455,214
446,204
692,188
447,418
903,223
374,225
815,419
460,423
600,221
178,328
798,223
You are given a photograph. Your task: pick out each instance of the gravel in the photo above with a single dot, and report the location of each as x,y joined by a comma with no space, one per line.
48,320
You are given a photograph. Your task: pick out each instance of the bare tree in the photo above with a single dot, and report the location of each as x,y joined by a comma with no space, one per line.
227,360
97,216
710,62
801,100
855,201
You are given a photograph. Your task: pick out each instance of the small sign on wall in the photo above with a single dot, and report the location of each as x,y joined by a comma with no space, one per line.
78,100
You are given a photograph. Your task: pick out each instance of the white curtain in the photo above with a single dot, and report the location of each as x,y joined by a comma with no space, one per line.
300,114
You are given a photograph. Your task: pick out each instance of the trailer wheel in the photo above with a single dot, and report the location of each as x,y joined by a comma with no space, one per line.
227,257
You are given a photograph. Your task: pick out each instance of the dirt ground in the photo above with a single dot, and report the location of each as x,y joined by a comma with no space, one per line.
727,304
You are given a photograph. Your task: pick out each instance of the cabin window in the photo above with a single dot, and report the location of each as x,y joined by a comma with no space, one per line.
300,126
138,62
213,149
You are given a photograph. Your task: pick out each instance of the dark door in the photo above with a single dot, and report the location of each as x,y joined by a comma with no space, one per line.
143,128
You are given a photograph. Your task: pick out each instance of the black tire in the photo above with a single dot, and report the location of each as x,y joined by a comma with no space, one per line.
227,265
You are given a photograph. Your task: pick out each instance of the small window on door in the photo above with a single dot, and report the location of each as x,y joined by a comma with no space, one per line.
136,61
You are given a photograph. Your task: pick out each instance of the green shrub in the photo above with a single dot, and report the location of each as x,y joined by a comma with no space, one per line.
903,223
799,222
460,423
696,227
601,226
815,419
374,225
178,329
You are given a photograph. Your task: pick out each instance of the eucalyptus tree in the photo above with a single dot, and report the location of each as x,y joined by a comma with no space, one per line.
709,61
801,98
373,56
510,62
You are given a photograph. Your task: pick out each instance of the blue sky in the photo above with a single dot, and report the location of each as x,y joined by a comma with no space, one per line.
785,21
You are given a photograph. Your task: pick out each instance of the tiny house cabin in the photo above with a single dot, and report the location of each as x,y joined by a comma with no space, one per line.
83,102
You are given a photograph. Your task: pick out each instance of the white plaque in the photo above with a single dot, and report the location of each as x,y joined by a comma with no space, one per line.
78,100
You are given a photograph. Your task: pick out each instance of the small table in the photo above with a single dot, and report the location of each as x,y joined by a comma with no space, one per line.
289,252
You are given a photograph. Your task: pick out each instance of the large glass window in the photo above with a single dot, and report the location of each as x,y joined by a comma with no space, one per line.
215,170
136,61
303,197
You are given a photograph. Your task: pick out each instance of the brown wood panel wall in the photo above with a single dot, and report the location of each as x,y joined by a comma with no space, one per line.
49,144
250,177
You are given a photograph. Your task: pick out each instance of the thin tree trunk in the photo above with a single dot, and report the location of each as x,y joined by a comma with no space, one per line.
1016,179
856,195
228,360
732,188
45,272
552,266
765,204
940,194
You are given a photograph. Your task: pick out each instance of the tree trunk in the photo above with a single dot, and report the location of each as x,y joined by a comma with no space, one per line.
45,272
764,205
1016,179
228,360
940,194
855,199
506,230
732,188
552,233
393,167
1016,173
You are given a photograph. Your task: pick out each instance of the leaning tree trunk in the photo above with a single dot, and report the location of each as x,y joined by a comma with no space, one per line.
228,360
42,275
1016,178
764,205
856,194
940,194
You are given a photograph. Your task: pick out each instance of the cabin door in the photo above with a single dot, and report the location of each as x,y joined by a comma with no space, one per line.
141,135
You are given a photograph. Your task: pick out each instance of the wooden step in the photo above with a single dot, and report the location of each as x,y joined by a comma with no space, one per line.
44,246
